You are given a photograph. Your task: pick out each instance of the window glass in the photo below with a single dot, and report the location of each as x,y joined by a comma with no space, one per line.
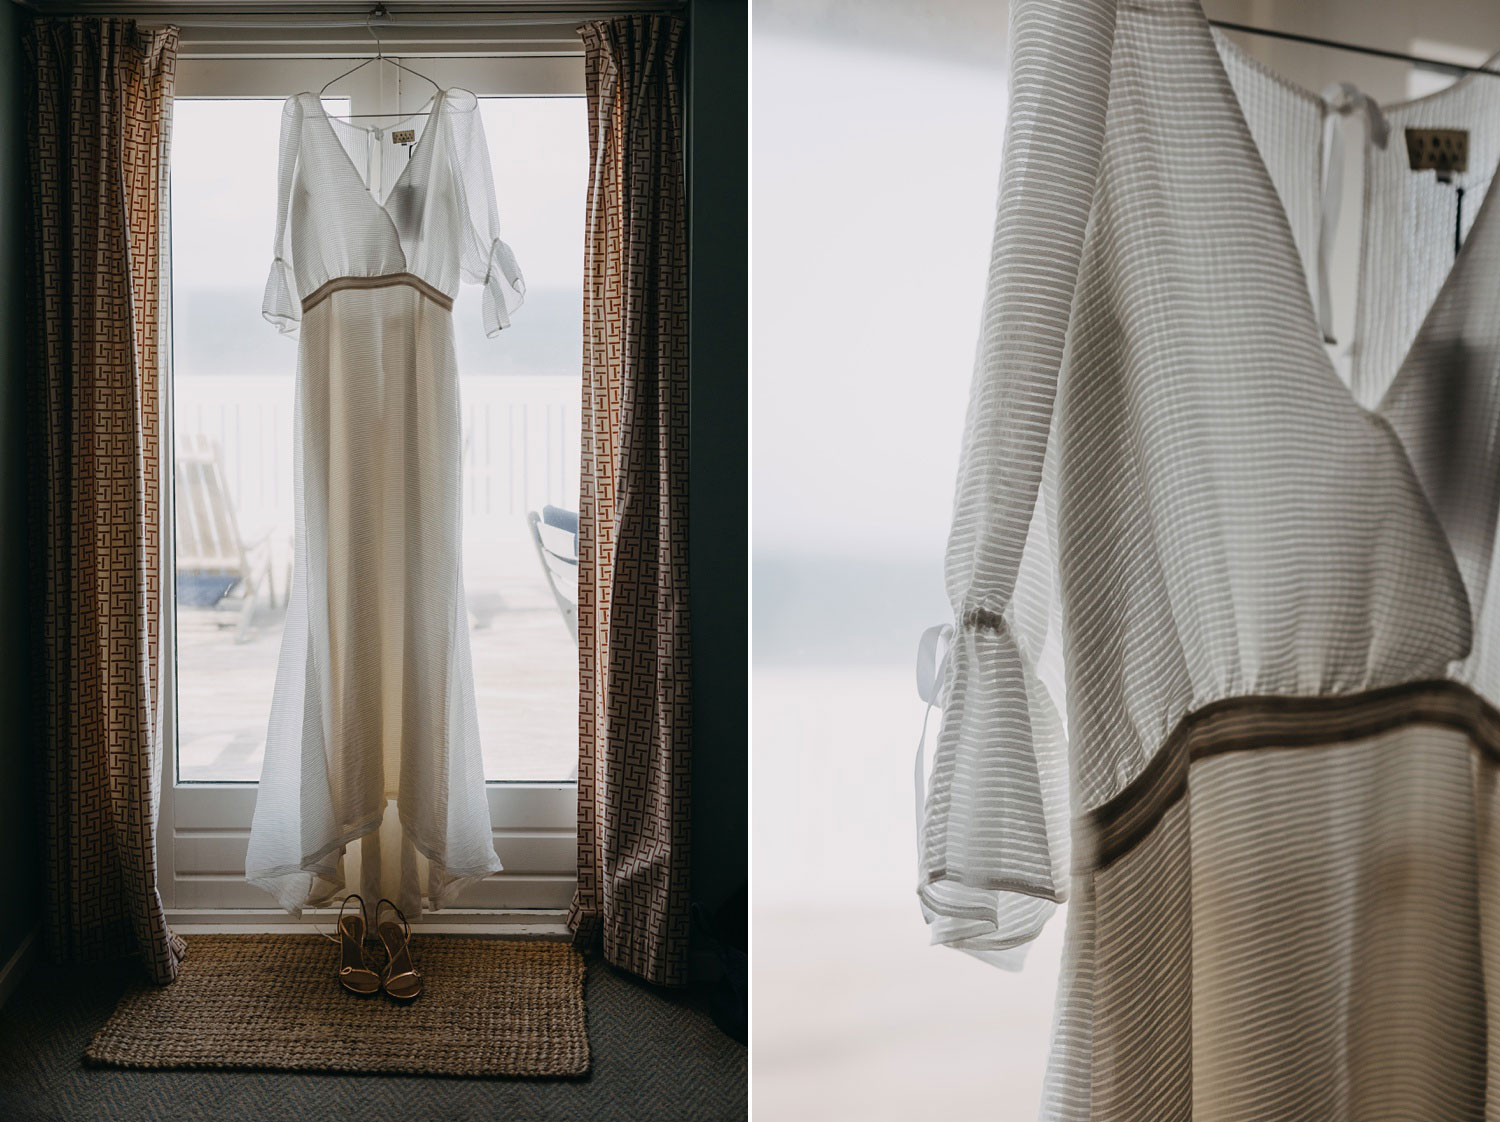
520,393
232,430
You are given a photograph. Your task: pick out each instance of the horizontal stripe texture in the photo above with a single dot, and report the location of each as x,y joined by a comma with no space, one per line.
1222,675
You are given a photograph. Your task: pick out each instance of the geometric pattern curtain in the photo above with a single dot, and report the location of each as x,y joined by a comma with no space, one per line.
99,97
633,658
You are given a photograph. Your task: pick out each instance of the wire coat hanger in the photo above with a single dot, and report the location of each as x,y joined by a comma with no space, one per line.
379,56
1338,45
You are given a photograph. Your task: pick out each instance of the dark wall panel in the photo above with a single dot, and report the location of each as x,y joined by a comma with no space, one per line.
718,194
20,872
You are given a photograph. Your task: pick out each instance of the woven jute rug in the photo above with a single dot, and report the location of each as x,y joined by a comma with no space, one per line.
490,1007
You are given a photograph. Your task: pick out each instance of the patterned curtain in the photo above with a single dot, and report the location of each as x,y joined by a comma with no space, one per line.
99,109
634,681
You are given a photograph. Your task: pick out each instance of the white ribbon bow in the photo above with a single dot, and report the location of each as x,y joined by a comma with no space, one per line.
932,666
1341,102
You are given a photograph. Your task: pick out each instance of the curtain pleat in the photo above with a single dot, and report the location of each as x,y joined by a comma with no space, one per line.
99,96
634,681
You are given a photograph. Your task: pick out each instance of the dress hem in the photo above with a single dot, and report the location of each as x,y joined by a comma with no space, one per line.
449,877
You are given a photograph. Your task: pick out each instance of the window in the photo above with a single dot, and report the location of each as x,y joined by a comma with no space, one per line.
232,400
230,422
521,394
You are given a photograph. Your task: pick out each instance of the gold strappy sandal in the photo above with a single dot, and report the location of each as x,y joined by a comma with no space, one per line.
355,974
399,979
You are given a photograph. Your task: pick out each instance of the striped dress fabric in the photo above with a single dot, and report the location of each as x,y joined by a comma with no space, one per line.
1224,668
374,697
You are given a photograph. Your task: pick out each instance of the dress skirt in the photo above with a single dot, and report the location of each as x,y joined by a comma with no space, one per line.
374,703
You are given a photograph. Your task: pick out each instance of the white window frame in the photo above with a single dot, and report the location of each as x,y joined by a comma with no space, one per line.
204,828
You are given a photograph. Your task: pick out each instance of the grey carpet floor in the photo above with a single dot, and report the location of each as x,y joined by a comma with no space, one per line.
656,1056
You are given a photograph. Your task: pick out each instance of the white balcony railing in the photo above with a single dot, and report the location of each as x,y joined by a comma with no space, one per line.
520,452
520,444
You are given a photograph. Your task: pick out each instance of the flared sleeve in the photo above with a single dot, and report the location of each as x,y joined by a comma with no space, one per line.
995,826
281,304
486,259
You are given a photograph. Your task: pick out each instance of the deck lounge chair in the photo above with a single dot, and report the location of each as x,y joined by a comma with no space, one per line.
214,563
554,532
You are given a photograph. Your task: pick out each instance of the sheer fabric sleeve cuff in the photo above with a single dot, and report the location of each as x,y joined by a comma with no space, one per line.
504,288
280,305
992,870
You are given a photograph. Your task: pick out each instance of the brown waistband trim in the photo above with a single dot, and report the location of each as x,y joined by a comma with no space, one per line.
411,280
1242,724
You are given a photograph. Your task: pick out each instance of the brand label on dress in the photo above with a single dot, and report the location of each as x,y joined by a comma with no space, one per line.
1444,151
406,136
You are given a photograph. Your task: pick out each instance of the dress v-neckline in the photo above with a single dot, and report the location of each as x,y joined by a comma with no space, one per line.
1477,228
429,111
1302,296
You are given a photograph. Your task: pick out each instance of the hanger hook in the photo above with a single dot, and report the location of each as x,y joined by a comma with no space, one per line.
377,12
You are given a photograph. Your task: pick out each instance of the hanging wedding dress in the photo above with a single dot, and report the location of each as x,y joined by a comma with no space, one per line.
374,697
1225,665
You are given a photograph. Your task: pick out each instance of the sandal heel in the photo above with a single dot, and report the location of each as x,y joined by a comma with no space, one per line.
355,974
399,979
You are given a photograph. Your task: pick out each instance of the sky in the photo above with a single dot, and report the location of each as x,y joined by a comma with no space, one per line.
874,185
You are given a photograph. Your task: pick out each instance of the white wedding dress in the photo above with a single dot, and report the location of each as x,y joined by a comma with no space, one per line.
374,698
